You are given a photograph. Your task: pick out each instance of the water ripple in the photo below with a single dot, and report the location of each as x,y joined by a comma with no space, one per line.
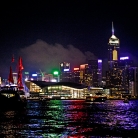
70,119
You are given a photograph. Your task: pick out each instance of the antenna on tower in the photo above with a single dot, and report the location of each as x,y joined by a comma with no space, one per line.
112,29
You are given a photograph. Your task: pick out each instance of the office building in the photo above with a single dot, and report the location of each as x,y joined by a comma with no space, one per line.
113,50
114,73
65,72
133,81
76,75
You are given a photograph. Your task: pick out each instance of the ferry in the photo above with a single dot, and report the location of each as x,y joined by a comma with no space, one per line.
98,97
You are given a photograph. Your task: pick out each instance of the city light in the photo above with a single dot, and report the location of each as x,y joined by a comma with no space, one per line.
26,73
55,73
26,79
66,69
53,80
76,68
83,66
123,58
34,75
99,61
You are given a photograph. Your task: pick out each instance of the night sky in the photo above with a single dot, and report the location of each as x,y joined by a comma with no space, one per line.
47,33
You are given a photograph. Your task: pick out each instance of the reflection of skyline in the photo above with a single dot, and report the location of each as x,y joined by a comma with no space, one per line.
76,114
65,118
46,119
119,115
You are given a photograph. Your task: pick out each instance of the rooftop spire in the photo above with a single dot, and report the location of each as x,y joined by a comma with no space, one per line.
112,29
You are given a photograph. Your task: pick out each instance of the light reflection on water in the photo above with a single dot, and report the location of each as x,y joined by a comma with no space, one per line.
70,119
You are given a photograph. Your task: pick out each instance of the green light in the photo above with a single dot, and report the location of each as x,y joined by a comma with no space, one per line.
55,72
26,73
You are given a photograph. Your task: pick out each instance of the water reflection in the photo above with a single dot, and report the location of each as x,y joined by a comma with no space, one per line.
70,119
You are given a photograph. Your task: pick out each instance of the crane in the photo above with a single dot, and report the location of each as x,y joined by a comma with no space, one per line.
42,74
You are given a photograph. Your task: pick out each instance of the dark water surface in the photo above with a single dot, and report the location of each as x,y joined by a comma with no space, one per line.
71,119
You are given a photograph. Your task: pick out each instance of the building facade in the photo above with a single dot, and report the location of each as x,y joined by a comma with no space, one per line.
65,72
121,77
113,50
76,75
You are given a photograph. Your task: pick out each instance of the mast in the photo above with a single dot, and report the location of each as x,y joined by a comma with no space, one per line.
20,68
10,77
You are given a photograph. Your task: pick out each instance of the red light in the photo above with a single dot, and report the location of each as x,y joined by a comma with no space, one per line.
76,68
83,66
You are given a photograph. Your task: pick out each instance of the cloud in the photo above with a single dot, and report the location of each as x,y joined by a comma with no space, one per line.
46,57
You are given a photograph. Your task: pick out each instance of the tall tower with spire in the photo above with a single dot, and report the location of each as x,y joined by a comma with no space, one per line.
113,49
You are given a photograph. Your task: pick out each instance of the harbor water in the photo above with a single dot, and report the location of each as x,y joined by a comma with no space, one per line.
71,119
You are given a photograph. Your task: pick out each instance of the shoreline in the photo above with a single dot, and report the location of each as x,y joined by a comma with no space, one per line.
121,99
72,99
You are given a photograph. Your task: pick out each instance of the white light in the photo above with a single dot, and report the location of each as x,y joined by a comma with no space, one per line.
61,64
26,79
99,60
53,80
34,75
66,69
123,58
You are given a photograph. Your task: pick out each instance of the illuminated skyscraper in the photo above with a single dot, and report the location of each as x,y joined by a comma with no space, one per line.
95,72
114,73
133,81
118,74
113,50
99,72
85,75
91,73
64,66
65,72
76,75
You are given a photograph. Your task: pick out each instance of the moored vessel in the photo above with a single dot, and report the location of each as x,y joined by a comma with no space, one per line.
10,99
10,94
96,99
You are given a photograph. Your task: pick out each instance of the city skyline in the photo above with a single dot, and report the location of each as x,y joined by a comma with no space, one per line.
50,27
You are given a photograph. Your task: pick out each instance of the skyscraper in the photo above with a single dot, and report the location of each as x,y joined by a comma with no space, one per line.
121,77
65,72
95,68
133,81
113,50
85,75
114,73
76,75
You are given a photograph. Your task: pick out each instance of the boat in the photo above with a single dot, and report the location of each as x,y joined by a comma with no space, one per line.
96,98
99,99
10,99
10,94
